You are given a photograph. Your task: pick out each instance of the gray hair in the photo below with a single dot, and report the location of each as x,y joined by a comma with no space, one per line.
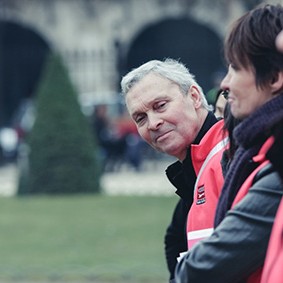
171,69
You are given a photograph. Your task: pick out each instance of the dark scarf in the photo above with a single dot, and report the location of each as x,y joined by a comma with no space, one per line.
249,135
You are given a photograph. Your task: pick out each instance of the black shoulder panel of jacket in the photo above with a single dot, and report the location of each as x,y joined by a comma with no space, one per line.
267,169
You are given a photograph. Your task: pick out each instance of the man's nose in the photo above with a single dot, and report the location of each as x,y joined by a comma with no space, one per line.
154,122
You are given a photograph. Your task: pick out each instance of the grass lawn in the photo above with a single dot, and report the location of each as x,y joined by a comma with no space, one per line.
84,238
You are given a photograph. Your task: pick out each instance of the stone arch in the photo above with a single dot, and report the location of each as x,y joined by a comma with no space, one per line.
22,54
192,43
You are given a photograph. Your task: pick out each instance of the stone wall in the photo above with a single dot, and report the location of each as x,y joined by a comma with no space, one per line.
91,29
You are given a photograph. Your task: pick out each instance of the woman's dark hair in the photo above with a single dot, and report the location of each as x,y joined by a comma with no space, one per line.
230,122
251,42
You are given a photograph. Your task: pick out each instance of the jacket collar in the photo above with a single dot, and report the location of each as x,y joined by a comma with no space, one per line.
182,174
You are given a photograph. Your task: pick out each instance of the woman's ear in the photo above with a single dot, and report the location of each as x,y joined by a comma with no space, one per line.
277,83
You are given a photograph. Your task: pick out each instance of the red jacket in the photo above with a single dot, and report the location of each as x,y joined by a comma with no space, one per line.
272,271
206,157
261,159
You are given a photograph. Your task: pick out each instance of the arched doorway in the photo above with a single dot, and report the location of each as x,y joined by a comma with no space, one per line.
22,54
194,44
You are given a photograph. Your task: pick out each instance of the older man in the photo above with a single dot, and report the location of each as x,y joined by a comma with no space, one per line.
172,115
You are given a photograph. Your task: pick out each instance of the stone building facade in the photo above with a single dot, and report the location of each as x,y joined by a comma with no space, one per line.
95,36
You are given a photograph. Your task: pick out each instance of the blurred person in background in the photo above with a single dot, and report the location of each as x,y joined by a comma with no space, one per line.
112,147
135,148
219,104
172,115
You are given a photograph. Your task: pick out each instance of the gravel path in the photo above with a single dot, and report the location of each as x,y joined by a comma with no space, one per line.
149,181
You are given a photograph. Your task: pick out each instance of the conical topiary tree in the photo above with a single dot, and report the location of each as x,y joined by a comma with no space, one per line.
62,150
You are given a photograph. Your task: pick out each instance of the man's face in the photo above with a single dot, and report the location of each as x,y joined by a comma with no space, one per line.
244,96
165,118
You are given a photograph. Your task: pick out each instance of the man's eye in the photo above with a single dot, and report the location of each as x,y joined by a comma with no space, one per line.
160,105
139,119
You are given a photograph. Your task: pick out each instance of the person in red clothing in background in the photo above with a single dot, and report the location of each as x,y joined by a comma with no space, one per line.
272,271
172,115
135,146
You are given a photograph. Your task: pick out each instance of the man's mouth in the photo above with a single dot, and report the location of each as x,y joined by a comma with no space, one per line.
159,137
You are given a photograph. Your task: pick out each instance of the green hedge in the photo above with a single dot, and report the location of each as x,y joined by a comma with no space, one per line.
62,150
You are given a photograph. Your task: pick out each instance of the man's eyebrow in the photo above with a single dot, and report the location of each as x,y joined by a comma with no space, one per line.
135,114
150,103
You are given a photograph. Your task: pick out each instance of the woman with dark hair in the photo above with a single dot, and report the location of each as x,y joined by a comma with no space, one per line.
272,272
252,190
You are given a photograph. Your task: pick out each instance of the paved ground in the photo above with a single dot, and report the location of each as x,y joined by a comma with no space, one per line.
8,180
150,180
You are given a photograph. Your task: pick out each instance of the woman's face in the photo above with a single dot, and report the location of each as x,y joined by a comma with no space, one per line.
244,95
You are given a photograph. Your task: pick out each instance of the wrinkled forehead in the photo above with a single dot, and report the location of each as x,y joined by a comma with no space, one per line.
151,81
148,90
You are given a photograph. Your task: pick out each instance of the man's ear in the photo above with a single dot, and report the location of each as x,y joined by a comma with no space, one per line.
195,94
277,83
